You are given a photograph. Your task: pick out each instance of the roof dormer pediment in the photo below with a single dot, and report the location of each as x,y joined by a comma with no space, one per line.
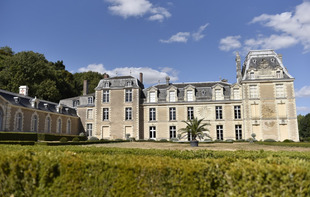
172,87
189,87
217,86
152,89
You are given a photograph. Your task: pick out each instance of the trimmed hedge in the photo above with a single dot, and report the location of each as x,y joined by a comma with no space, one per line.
29,171
57,137
18,136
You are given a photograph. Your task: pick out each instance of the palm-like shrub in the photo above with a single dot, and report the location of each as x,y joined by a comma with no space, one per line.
195,128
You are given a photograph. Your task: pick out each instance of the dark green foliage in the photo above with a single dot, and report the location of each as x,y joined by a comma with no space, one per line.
56,137
18,142
75,139
288,140
269,140
304,125
81,171
18,136
63,140
163,140
93,79
93,138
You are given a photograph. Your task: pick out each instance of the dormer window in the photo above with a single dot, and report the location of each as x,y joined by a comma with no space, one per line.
236,93
45,105
218,94
16,99
75,103
128,83
59,108
90,100
252,76
152,97
190,95
278,74
171,96
34,103
106,85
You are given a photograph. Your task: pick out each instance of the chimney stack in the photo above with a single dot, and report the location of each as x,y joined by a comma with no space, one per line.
167,80
105,76
85,87
141,78
280,57
23,90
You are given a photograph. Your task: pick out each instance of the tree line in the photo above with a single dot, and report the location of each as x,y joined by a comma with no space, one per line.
46,80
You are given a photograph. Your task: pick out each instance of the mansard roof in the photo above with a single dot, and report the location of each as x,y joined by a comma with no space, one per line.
195,84
119,82
24,101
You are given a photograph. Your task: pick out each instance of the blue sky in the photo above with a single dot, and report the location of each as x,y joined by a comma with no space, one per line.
191,41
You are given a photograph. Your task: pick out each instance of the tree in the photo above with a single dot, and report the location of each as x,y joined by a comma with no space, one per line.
195,128
93,79
304,125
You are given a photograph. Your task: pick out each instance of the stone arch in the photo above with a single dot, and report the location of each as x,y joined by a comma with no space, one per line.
34,122
19,120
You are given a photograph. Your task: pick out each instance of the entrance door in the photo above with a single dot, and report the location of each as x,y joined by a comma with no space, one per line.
105,132
128,132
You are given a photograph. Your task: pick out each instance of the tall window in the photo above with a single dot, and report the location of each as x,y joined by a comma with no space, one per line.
89,129
278,74
236,93
1,119
76,103
237,112
252,76
152,132
90,100
106,96
89,113
218,112
253,91
48,124
152,114
189,94
35,123
68,126
279,91
152,97
128,95
19,122
128,113
173,132
218,94
190,113
59,126
219,132
172,113
105,114
172,96
238,129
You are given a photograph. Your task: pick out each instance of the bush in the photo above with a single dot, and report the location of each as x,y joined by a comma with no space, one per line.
269,140
63,140
151,140
229,140
163,140
56,137
174,139
18,136
93,138
288,140
76,139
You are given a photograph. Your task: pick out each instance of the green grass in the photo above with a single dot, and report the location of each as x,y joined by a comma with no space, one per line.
289,144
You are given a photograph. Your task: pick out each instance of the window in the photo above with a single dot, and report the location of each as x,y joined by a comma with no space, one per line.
128,95
218,113
128,83
190,113
152,132
89,129
253,91
105,114
106,84
152,97
236,93
19,122
106,96
252,75
59,125
278,74
173,132
48,124
128,113
152,114
90,100
279,91
76,103
218,94
172,113
68,126
172,96
238,129
34,123
189,94
237,112
89,113
219,132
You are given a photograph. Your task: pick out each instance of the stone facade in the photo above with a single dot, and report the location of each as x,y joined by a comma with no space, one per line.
262,101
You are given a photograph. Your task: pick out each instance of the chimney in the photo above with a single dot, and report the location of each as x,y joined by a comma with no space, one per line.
238,67
105,76
85,87
141,78
167,80
280,57
23,90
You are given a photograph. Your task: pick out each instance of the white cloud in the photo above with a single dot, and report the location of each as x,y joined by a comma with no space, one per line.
198,35
179,37
293,25
303,92
230,43
150,75
138,8
303,110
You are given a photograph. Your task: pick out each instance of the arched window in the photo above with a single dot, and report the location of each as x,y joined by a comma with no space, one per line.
34,123
1,119
59,125
18,121
48,124
68,126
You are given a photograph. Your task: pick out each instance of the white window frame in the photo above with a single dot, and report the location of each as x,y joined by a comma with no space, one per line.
89,129
280,91
128,113
219,132
105,114
152,97
90,100
172,113
236,92
190,113
190,95
89,115
237,111
152,132
172,132
106,96
172,96
253,91
238,132
152,114
218,112
128,95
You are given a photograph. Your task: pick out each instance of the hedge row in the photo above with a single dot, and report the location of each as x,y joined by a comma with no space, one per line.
24,136
26,171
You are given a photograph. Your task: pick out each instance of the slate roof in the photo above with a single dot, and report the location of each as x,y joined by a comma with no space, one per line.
24,101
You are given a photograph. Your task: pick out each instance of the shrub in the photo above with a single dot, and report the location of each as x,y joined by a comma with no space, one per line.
229,140
269,140
174,139
163,140
18,136
208,140
93,138
76,139
151,140
63,140
241,140
288,140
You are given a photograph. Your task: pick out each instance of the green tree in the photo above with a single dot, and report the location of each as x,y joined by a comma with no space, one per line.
195,128
93,79
304,125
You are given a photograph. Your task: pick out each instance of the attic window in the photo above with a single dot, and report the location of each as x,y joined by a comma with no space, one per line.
252,76
278,74
272,60
128,83
90,100
45,105
254,60
16,99
106,85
